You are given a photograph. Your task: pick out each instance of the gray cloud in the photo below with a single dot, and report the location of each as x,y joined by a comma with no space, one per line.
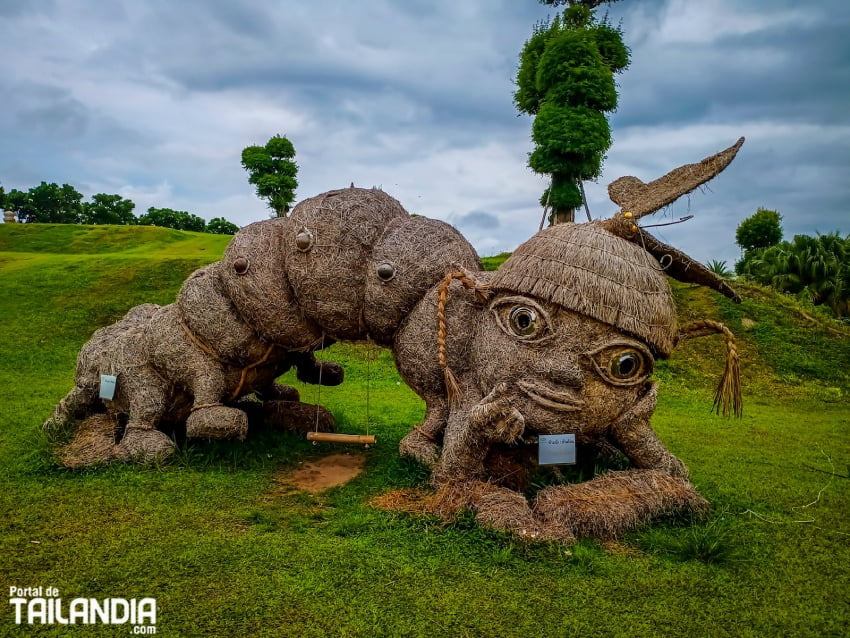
17,8
156,100
477,219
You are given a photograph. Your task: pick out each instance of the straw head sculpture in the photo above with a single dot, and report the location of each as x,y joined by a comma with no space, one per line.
562,339
565,344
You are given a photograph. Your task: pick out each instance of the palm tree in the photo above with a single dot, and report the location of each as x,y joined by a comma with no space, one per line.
719,268
812,268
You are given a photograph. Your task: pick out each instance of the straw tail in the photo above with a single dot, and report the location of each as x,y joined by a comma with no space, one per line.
641,199
679,266
728,399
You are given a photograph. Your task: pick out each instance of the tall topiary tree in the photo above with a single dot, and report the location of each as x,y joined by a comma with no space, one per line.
566,80
272,170
590,4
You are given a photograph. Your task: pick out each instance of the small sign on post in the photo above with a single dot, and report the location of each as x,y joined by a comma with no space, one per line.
107,386
556,449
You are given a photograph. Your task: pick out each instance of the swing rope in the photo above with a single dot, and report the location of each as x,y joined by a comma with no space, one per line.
369,352
331,437
319,389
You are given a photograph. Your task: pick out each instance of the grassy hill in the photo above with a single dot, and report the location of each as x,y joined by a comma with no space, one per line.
228,551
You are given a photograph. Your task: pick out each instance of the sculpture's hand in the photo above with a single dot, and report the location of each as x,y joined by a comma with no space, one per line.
495,419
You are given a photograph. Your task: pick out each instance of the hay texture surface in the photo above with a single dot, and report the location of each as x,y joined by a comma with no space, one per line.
328,246
348,264
610,505
413,255
351,264
640,199
585,268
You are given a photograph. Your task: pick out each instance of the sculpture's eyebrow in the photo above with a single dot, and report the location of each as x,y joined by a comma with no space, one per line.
621,341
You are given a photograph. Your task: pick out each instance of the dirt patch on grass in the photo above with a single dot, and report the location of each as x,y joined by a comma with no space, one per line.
321,474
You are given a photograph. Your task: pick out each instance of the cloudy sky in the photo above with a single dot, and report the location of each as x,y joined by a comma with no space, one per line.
155,100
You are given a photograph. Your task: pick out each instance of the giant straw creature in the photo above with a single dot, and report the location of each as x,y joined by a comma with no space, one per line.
561,339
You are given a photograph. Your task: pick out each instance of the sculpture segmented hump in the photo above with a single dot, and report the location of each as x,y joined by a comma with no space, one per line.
412,256
589,270
328,247
253,274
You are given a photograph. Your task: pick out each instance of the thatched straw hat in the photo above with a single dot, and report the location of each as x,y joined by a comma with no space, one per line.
587,269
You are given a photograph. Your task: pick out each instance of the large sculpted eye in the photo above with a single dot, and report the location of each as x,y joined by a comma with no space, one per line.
523,321
521,318
623,364
627,365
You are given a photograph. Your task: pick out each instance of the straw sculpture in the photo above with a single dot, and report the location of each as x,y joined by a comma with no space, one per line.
562,339
347,264
564,344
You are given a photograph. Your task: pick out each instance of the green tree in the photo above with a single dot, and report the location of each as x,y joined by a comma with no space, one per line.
220,226
16,201
272,171
46,204
760,230
108,209
566,80
169,218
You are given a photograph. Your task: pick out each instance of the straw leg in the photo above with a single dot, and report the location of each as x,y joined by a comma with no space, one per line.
634,435
472,430
422,442
75,405
612,504
210,419
496,507
507,510
147,398
310,370
294,415
278,392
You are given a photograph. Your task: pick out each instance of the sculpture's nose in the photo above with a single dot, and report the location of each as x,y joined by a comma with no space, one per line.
563,371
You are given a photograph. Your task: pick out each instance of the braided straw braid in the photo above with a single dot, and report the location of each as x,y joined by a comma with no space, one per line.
482,293
728,397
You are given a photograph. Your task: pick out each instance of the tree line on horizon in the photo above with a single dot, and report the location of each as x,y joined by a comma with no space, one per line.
271,170
50,203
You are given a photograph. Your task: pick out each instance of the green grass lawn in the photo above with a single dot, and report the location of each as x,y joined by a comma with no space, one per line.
227,552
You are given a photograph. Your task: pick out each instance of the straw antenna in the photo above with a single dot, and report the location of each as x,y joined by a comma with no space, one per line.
640,199
637,200
679,266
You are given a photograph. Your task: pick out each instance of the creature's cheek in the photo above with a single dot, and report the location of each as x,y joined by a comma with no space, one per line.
496,360
604,403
